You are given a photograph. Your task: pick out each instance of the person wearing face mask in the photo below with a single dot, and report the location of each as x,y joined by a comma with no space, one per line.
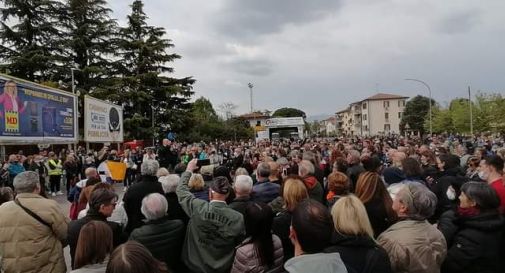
447,185
491,171
473,231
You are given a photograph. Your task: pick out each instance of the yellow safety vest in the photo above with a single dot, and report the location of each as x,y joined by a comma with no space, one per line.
55,171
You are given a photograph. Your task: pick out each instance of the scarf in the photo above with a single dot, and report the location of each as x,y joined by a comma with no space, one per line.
468,212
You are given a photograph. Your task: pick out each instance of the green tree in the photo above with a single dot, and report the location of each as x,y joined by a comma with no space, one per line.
203,111
460,115
89,46
416,113
489,108
287,112
142,78
208,126
442,121
315,128
30,38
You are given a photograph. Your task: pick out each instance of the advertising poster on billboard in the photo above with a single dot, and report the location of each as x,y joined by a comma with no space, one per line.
103,121
32,114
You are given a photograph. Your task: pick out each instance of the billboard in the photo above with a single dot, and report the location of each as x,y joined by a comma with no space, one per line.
279,122
32,114
103,121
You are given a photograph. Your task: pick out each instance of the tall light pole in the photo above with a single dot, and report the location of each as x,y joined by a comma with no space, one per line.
429,91
471,111
250,85
73,79
77,104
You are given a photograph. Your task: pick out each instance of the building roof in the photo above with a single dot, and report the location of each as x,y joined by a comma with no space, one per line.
332,120
343,111
254,115
384,96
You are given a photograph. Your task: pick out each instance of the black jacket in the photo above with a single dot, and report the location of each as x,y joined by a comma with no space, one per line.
74,228
319,174
280,227
360,251
265,192
164,240
353,173
133,200
447,178
473,243
429,171
175,211
240,204
167,157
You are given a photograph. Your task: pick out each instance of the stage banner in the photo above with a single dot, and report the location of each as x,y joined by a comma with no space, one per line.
103,121
31,113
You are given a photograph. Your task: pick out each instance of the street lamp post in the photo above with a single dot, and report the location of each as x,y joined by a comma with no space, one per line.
77,104
250,85
429,92
73,79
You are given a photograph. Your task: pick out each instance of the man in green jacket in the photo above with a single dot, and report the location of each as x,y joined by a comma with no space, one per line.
214,229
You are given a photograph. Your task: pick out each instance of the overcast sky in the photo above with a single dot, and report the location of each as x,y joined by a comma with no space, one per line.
321,55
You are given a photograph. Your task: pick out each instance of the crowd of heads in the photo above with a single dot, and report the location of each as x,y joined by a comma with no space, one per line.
409,179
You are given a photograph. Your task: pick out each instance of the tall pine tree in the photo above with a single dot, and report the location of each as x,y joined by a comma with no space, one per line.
147,92
90,33
30,38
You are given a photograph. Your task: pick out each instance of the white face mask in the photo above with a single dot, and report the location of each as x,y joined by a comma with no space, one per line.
451,194
483,175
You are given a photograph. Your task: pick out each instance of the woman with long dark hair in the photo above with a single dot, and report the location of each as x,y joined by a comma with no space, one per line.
133,257
93,248
378,203
262,250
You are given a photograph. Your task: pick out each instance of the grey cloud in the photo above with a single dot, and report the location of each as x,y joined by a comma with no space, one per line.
205,49
252,67
459,22
258,17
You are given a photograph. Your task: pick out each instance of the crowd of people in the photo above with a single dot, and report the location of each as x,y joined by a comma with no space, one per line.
376,204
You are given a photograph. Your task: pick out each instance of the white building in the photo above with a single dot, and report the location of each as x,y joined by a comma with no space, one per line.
375,115
344,122
329,126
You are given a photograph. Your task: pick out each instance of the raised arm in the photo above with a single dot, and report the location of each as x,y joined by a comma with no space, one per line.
187,200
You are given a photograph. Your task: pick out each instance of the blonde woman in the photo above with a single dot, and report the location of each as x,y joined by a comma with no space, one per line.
293,192
197,187
353,239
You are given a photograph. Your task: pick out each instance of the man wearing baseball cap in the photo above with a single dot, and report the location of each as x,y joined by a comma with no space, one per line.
214,229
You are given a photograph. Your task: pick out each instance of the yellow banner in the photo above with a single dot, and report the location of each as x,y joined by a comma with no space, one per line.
11,121
117,170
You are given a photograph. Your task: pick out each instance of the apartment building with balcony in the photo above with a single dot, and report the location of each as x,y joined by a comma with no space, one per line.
344,122
376,115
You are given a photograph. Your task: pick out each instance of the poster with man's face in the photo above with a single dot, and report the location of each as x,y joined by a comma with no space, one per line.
103,121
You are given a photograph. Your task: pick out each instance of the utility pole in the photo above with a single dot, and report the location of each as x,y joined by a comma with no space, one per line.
76,108
471,110
250,85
